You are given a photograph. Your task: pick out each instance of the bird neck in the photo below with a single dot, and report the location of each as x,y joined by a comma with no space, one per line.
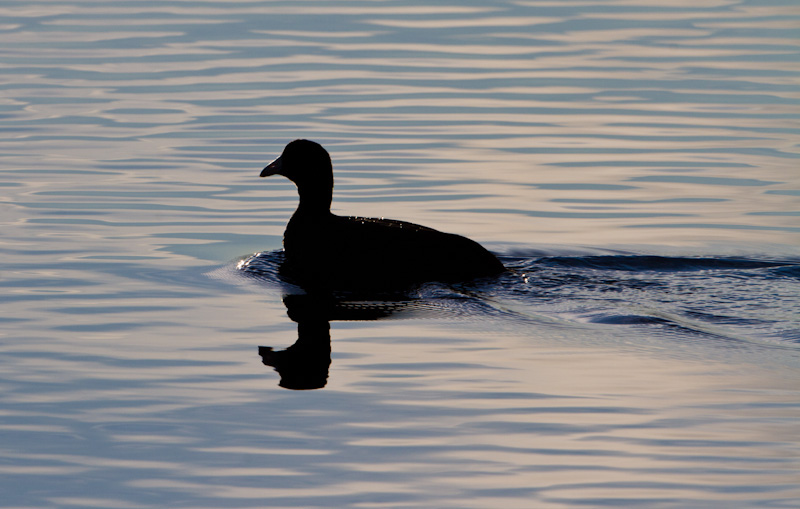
315,199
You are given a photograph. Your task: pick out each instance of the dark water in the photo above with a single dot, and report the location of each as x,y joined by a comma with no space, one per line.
635,164
723,298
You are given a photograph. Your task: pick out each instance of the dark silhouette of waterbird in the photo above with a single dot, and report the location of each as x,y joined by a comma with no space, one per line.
331,252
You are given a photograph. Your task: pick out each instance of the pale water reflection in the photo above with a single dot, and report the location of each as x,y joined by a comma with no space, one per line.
637,162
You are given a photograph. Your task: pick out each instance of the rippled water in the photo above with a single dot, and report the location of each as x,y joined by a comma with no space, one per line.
634,164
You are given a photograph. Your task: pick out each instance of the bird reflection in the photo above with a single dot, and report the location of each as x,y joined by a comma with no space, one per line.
305,364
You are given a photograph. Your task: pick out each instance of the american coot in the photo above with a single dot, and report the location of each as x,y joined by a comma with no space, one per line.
326,251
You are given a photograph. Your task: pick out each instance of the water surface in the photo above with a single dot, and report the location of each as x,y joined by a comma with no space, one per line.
634,164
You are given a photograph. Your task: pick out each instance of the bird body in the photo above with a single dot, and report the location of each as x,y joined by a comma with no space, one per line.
327,251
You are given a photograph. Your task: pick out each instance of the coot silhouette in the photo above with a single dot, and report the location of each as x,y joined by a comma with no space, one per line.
326,251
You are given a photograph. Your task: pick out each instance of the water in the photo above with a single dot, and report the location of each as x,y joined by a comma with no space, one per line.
635,164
